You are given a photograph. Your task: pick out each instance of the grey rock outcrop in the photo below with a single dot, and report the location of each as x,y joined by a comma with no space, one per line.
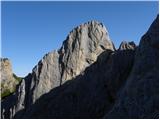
8,82
140,96
80,49
13,103
6,70
127,45
44,77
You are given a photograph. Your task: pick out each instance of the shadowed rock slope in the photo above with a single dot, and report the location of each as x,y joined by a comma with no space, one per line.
140,95
88,95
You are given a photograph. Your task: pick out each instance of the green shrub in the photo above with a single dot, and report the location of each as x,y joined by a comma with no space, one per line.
6,93
17,78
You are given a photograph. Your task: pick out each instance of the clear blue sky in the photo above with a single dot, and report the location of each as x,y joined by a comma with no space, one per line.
31,29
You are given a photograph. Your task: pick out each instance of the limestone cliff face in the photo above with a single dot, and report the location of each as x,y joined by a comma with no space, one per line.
80,49
44,77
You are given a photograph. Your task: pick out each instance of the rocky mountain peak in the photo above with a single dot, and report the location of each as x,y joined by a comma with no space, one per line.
153,32
127,45
82,47
6,67
90,34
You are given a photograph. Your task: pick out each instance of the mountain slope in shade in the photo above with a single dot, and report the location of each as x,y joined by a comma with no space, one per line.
140,96
88,95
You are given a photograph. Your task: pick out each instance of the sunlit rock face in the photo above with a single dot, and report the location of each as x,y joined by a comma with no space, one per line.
80,49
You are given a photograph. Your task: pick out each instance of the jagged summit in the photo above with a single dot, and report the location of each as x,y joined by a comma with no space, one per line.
82,47
127,45
92,30
4,59
89,23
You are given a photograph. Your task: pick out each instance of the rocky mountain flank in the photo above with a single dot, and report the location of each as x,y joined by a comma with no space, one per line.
90,94
80,49
140,95
88,78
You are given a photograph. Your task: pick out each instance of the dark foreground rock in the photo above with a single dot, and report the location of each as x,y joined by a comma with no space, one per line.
140,95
